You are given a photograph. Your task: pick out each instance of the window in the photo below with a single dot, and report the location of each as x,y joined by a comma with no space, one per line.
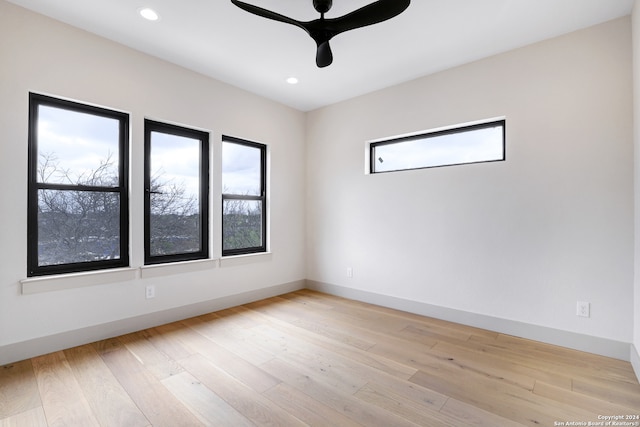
77,202
484,142
244,227
176,193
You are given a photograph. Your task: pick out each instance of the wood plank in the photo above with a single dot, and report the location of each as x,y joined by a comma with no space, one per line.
487,365
244,371
580,400
418,331
469,415
367,358
615,392
154,400
229,332
158,363
505,400
18,389
204,403
346,404
162,337
340,373
311,322
346,374
31,418
246,401
63,401
109,402
363,338
386,312
540,369
403,407
307,409
310,299
571,361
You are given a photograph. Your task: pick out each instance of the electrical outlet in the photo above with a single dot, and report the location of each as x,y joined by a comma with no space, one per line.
150,292
583,309
349,272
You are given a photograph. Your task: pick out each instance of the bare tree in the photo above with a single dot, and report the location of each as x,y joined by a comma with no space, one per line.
175,222
83,224
242,224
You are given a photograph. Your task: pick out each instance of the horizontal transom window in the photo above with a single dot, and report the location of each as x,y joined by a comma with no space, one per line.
478,143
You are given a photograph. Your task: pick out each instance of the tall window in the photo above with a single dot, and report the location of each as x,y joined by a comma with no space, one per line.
78,203
484,142
176,193
244,228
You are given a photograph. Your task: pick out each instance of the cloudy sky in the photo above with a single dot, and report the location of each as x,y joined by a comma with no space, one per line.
484,144
79,143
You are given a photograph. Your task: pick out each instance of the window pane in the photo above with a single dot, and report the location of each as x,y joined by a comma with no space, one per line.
77,226
241,224
78,170
175,220
241,169
461,146
77,148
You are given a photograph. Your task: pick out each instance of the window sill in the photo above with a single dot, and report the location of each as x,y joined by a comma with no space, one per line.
157,270
236,260
35,285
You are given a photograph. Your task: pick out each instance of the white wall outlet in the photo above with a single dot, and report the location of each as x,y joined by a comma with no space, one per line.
349,272
583,309
150,291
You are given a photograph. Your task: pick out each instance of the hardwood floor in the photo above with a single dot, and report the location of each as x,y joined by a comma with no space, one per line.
307,358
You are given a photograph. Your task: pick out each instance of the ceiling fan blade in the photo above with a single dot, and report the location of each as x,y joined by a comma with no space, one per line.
322,30
268,14
324,56
373,13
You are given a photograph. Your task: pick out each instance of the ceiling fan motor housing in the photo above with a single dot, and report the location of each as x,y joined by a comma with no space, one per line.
322,6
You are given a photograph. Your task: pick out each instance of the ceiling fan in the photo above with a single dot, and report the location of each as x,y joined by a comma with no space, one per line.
322,30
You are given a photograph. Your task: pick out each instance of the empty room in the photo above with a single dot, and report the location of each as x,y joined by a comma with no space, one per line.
347,213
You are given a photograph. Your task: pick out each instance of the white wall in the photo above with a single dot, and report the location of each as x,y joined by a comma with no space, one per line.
41,55
635,355
521,240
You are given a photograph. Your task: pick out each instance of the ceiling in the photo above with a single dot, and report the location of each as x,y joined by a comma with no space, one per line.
218,39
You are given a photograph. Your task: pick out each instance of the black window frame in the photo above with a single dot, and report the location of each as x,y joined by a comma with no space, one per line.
33,268
433,134
262,197
203,136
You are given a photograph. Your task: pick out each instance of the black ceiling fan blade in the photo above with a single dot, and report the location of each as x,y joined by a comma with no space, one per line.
373,13
268,14
322,30
324,56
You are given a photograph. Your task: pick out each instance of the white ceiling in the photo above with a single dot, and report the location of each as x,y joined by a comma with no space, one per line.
218,39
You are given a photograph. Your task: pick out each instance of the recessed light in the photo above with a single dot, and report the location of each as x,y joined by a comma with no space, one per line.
292,80
149,14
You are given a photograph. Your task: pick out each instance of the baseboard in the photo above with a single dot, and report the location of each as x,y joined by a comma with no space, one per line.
587,343
35,347
635,360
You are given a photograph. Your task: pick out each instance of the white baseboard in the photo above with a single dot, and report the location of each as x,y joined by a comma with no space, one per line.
35,347
587,343
635,360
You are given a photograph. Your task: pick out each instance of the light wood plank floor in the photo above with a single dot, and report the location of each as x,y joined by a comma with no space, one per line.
307,358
